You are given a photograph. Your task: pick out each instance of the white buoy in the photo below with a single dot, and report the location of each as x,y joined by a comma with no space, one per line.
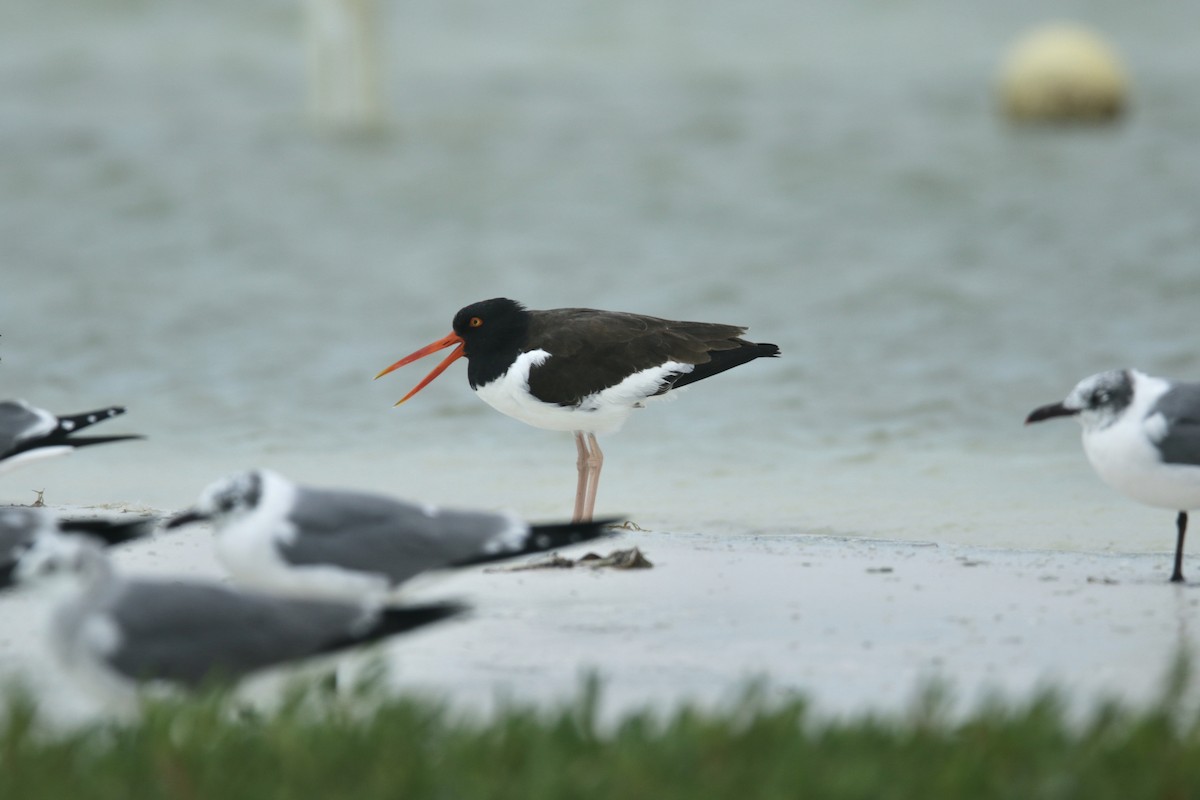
1062,72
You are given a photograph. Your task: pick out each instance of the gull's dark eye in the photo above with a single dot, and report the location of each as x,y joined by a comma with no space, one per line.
1100,397
475,322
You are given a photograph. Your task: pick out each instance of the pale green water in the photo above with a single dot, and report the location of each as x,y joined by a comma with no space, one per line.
175,238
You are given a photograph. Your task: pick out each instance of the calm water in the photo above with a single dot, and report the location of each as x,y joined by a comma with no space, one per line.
176,238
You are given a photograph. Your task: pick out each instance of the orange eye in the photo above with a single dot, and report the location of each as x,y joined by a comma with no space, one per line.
475,322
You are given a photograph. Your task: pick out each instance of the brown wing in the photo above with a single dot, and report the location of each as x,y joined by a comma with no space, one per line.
594,350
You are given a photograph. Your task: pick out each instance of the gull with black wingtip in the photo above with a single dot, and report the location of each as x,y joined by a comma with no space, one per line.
1142,436
117,634
581,370
28,433
276,535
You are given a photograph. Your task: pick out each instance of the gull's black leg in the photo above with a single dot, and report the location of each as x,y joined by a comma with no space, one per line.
1181,525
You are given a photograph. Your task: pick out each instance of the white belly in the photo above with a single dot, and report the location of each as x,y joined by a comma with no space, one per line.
1127,461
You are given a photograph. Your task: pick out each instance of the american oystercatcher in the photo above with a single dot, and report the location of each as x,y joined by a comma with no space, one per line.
581,370
274,535
1142,436
28,433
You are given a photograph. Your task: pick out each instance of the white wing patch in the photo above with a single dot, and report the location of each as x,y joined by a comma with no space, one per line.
510,539
602,412
637,388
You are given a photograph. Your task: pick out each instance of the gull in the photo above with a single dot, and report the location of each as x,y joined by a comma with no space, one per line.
1142,436
276,535
119,635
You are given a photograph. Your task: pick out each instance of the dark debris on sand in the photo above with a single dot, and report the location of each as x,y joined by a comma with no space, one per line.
617,559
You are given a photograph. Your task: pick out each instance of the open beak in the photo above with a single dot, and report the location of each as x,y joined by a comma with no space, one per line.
186,518
1049,412
441,344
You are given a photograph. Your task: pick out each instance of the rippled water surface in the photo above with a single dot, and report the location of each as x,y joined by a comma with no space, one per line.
177,238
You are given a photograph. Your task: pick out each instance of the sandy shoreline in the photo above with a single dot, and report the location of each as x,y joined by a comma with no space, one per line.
854,624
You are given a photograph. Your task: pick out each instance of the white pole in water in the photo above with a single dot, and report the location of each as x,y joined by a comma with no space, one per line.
344,90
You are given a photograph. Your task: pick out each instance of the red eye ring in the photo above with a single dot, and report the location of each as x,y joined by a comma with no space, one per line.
475,322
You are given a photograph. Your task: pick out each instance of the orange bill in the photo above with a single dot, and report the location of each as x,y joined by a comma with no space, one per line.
449,341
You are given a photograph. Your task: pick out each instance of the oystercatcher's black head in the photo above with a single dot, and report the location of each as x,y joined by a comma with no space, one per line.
488,332
492,325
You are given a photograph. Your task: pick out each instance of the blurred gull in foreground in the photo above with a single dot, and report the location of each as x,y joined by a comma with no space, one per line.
116,635
278,536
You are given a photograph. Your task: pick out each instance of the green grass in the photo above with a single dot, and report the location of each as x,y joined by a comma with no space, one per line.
319,747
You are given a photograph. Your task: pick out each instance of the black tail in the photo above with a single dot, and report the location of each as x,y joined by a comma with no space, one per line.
545,537
109,531
727,359
395,620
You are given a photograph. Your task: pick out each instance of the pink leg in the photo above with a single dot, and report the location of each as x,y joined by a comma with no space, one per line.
595,463
581,487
